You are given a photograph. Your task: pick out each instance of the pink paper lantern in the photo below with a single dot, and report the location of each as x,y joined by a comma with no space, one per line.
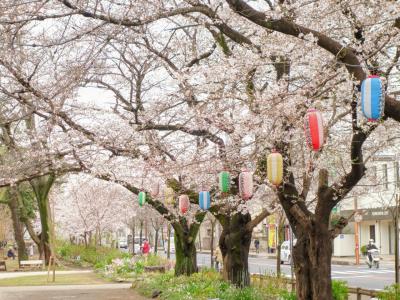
246,185
155,189
184,203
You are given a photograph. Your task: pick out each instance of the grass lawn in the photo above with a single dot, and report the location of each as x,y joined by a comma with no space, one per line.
85,278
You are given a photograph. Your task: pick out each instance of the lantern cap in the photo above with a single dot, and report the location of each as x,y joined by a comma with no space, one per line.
311,109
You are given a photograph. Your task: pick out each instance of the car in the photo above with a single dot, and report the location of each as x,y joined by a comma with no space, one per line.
286,254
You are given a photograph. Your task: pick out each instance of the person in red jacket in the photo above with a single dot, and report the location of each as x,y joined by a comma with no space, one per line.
146,247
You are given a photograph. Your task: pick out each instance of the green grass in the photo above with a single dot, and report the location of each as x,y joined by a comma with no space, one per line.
62,279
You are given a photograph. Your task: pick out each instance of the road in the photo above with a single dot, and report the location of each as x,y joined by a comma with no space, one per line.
356,276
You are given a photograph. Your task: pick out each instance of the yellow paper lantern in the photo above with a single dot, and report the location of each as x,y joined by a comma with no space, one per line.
275,168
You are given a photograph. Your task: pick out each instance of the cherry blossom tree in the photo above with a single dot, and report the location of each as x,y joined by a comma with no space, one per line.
203,86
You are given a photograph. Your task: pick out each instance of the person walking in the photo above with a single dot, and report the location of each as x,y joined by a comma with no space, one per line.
146,247
257,245
218,258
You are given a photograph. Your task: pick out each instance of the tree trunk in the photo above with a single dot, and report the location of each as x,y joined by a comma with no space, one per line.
41,187
312,263
281,229
212,242
169,242
156,241
18,226
185,252
235,245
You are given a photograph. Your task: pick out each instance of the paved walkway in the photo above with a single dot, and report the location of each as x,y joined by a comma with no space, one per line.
35,273
111,291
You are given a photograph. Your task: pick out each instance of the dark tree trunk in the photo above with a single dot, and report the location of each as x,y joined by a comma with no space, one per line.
41,187
312,264
235,245
156,242
18,226
185,252
212,242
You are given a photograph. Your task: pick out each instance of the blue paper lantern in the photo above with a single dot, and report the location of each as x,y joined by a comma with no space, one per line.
372,98
204,200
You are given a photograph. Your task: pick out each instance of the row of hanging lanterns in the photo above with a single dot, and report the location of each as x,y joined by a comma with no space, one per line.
372,105
313,126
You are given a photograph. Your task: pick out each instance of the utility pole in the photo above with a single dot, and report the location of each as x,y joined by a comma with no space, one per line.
396,239
357,251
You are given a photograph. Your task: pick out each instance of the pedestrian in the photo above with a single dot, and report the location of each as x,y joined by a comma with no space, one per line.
30,249
145,247
257,245
10,253
218,258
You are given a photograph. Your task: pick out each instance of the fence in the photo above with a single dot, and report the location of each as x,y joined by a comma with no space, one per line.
258,279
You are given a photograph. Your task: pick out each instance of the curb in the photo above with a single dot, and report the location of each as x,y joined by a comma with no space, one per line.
252,255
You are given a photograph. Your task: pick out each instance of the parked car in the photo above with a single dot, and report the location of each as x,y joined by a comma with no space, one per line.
286,254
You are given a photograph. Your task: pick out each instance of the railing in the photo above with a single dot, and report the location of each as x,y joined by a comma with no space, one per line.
359,292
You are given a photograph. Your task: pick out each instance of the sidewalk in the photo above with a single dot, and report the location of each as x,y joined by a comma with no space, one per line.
6,275
336,260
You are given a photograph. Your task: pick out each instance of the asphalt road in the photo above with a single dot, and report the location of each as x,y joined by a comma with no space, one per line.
356,276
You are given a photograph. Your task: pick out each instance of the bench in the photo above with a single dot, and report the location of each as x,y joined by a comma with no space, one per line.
31,264
3,265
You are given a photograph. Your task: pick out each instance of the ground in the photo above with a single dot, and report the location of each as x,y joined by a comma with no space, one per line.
71,292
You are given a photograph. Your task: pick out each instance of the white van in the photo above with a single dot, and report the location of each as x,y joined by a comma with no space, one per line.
286,254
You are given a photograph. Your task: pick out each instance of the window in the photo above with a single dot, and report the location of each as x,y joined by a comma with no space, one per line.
396,173
372,232
385,176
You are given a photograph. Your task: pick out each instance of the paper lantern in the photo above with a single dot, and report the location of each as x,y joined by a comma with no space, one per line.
246,185
204,200
169,196
155,189
275,168
142,198
314,129
224,182
184,203
372,98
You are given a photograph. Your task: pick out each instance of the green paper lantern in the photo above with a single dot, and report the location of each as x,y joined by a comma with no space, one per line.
224,182
142,198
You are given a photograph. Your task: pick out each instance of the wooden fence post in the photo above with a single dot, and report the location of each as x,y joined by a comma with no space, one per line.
359,295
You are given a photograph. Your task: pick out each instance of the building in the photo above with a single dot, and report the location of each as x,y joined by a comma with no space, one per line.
375,198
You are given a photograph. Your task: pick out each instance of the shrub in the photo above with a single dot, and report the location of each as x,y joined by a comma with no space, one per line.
363,250
390,293
207,284
98,256
340,290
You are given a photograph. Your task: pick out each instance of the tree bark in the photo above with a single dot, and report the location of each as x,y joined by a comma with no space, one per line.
156,241
41,187
185,252
18,226
312,263
235,245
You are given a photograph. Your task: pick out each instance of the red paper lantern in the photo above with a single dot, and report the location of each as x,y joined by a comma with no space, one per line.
246,185
314,129
184,203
